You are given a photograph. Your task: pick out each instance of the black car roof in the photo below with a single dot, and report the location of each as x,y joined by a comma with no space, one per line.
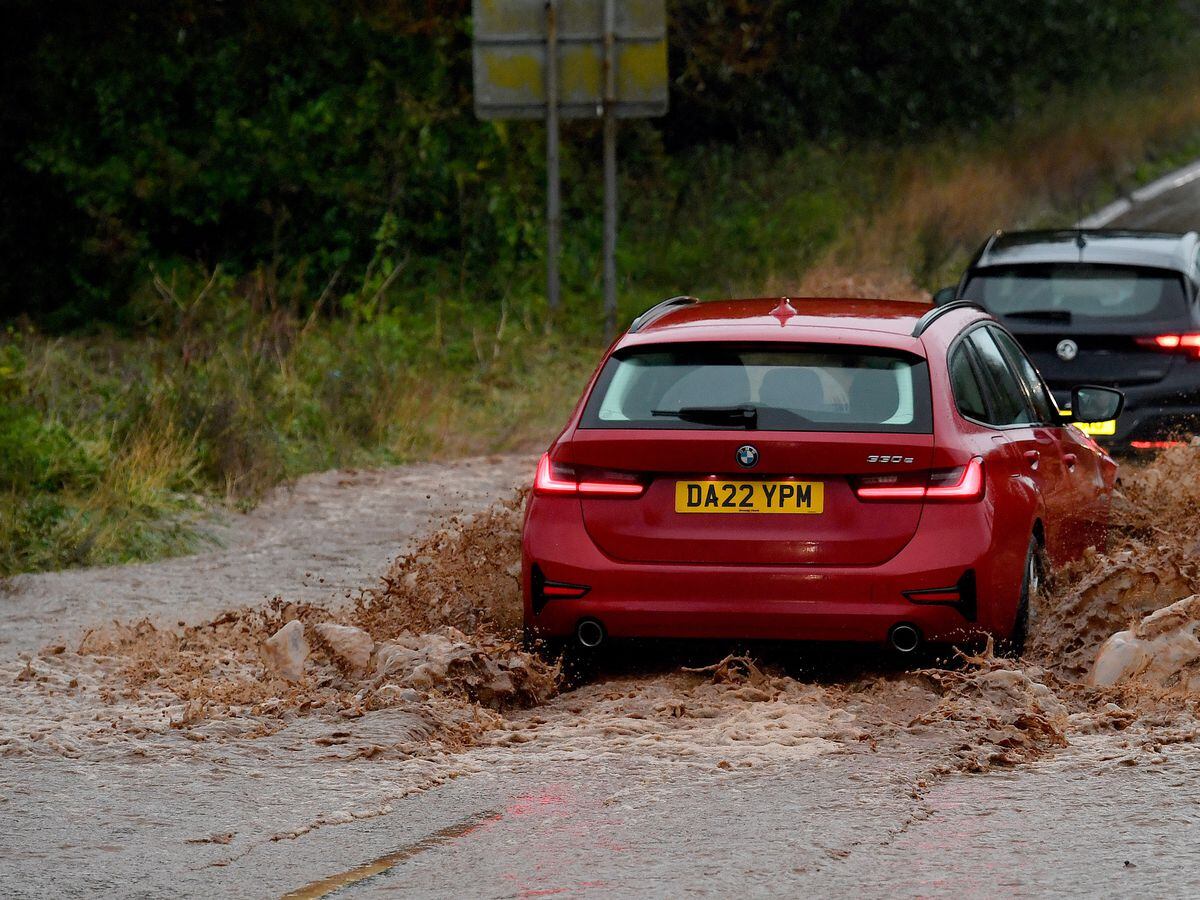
1154,249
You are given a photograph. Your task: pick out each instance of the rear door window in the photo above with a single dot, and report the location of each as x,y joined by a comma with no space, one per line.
968,395
1043,405
789,388
1008,403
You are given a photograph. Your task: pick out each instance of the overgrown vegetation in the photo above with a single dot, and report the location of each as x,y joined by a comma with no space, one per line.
334,143
341,267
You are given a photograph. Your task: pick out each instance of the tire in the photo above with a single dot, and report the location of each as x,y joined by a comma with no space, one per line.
1031,585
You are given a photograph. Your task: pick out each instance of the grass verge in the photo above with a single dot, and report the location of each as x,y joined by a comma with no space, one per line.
113,445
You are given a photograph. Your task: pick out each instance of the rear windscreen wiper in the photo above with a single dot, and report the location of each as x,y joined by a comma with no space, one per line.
1042,315
737,416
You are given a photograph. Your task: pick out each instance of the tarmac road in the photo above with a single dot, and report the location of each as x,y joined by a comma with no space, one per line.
1171,203
605,813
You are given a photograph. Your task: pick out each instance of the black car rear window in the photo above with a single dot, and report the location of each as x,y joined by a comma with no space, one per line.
1080,291
789,388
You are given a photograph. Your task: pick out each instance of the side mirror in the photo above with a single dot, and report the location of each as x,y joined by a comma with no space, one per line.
1090,403
945,295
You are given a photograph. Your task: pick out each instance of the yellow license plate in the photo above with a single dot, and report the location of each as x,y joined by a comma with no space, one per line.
749,497
1097,428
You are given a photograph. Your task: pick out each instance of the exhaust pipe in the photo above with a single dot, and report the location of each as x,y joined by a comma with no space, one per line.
904,638
590,634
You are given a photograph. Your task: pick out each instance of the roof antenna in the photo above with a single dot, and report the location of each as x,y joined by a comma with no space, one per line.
1080,242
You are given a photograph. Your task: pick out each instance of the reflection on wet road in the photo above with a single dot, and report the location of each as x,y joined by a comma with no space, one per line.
1082,823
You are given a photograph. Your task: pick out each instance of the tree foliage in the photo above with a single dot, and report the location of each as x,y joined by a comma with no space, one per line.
317,139
884,68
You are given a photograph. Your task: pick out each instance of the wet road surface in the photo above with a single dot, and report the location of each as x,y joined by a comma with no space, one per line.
327,535
1094,819
835,825
1171,203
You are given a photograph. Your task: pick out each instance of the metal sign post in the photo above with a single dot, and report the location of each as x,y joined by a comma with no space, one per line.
553,181
573,59
610,172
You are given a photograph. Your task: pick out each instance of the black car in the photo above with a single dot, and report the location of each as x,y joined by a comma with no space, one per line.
1107,307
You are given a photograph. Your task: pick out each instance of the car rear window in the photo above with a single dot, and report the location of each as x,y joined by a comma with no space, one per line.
1083,291
792,388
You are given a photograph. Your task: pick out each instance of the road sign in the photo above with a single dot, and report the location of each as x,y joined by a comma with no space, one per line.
574,59
511,38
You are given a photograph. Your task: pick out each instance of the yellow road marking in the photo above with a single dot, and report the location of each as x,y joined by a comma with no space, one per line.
327,886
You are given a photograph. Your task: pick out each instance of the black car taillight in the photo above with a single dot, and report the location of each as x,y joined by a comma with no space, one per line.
1188,344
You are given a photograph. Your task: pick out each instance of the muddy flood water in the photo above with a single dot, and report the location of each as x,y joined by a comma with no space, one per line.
400,741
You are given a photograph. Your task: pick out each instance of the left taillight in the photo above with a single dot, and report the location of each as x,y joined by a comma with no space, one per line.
557,479
961,484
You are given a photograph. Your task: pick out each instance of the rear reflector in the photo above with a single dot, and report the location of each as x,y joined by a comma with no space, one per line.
553,478
1183,343
961,484
565,591
543,590
962,596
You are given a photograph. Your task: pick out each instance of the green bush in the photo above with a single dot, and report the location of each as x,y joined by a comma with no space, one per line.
71,490
36,455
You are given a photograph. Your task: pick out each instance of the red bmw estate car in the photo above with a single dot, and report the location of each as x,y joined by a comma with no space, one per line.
830,470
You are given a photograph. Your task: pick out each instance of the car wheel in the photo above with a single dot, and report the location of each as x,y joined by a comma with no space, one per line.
1031,586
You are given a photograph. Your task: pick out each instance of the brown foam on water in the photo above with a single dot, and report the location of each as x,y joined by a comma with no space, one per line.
466,575
1151,563
1104,594
447,669
1005,710
444,625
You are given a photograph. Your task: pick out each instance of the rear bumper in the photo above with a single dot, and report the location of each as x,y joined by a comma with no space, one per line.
859,604
645,614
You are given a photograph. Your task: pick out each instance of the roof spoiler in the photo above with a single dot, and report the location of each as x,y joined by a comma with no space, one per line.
658,310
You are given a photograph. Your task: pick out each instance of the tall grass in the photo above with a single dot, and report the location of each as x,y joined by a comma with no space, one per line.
113,446
932,204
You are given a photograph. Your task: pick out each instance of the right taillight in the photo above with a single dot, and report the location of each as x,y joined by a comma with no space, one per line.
1172,343
961,484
